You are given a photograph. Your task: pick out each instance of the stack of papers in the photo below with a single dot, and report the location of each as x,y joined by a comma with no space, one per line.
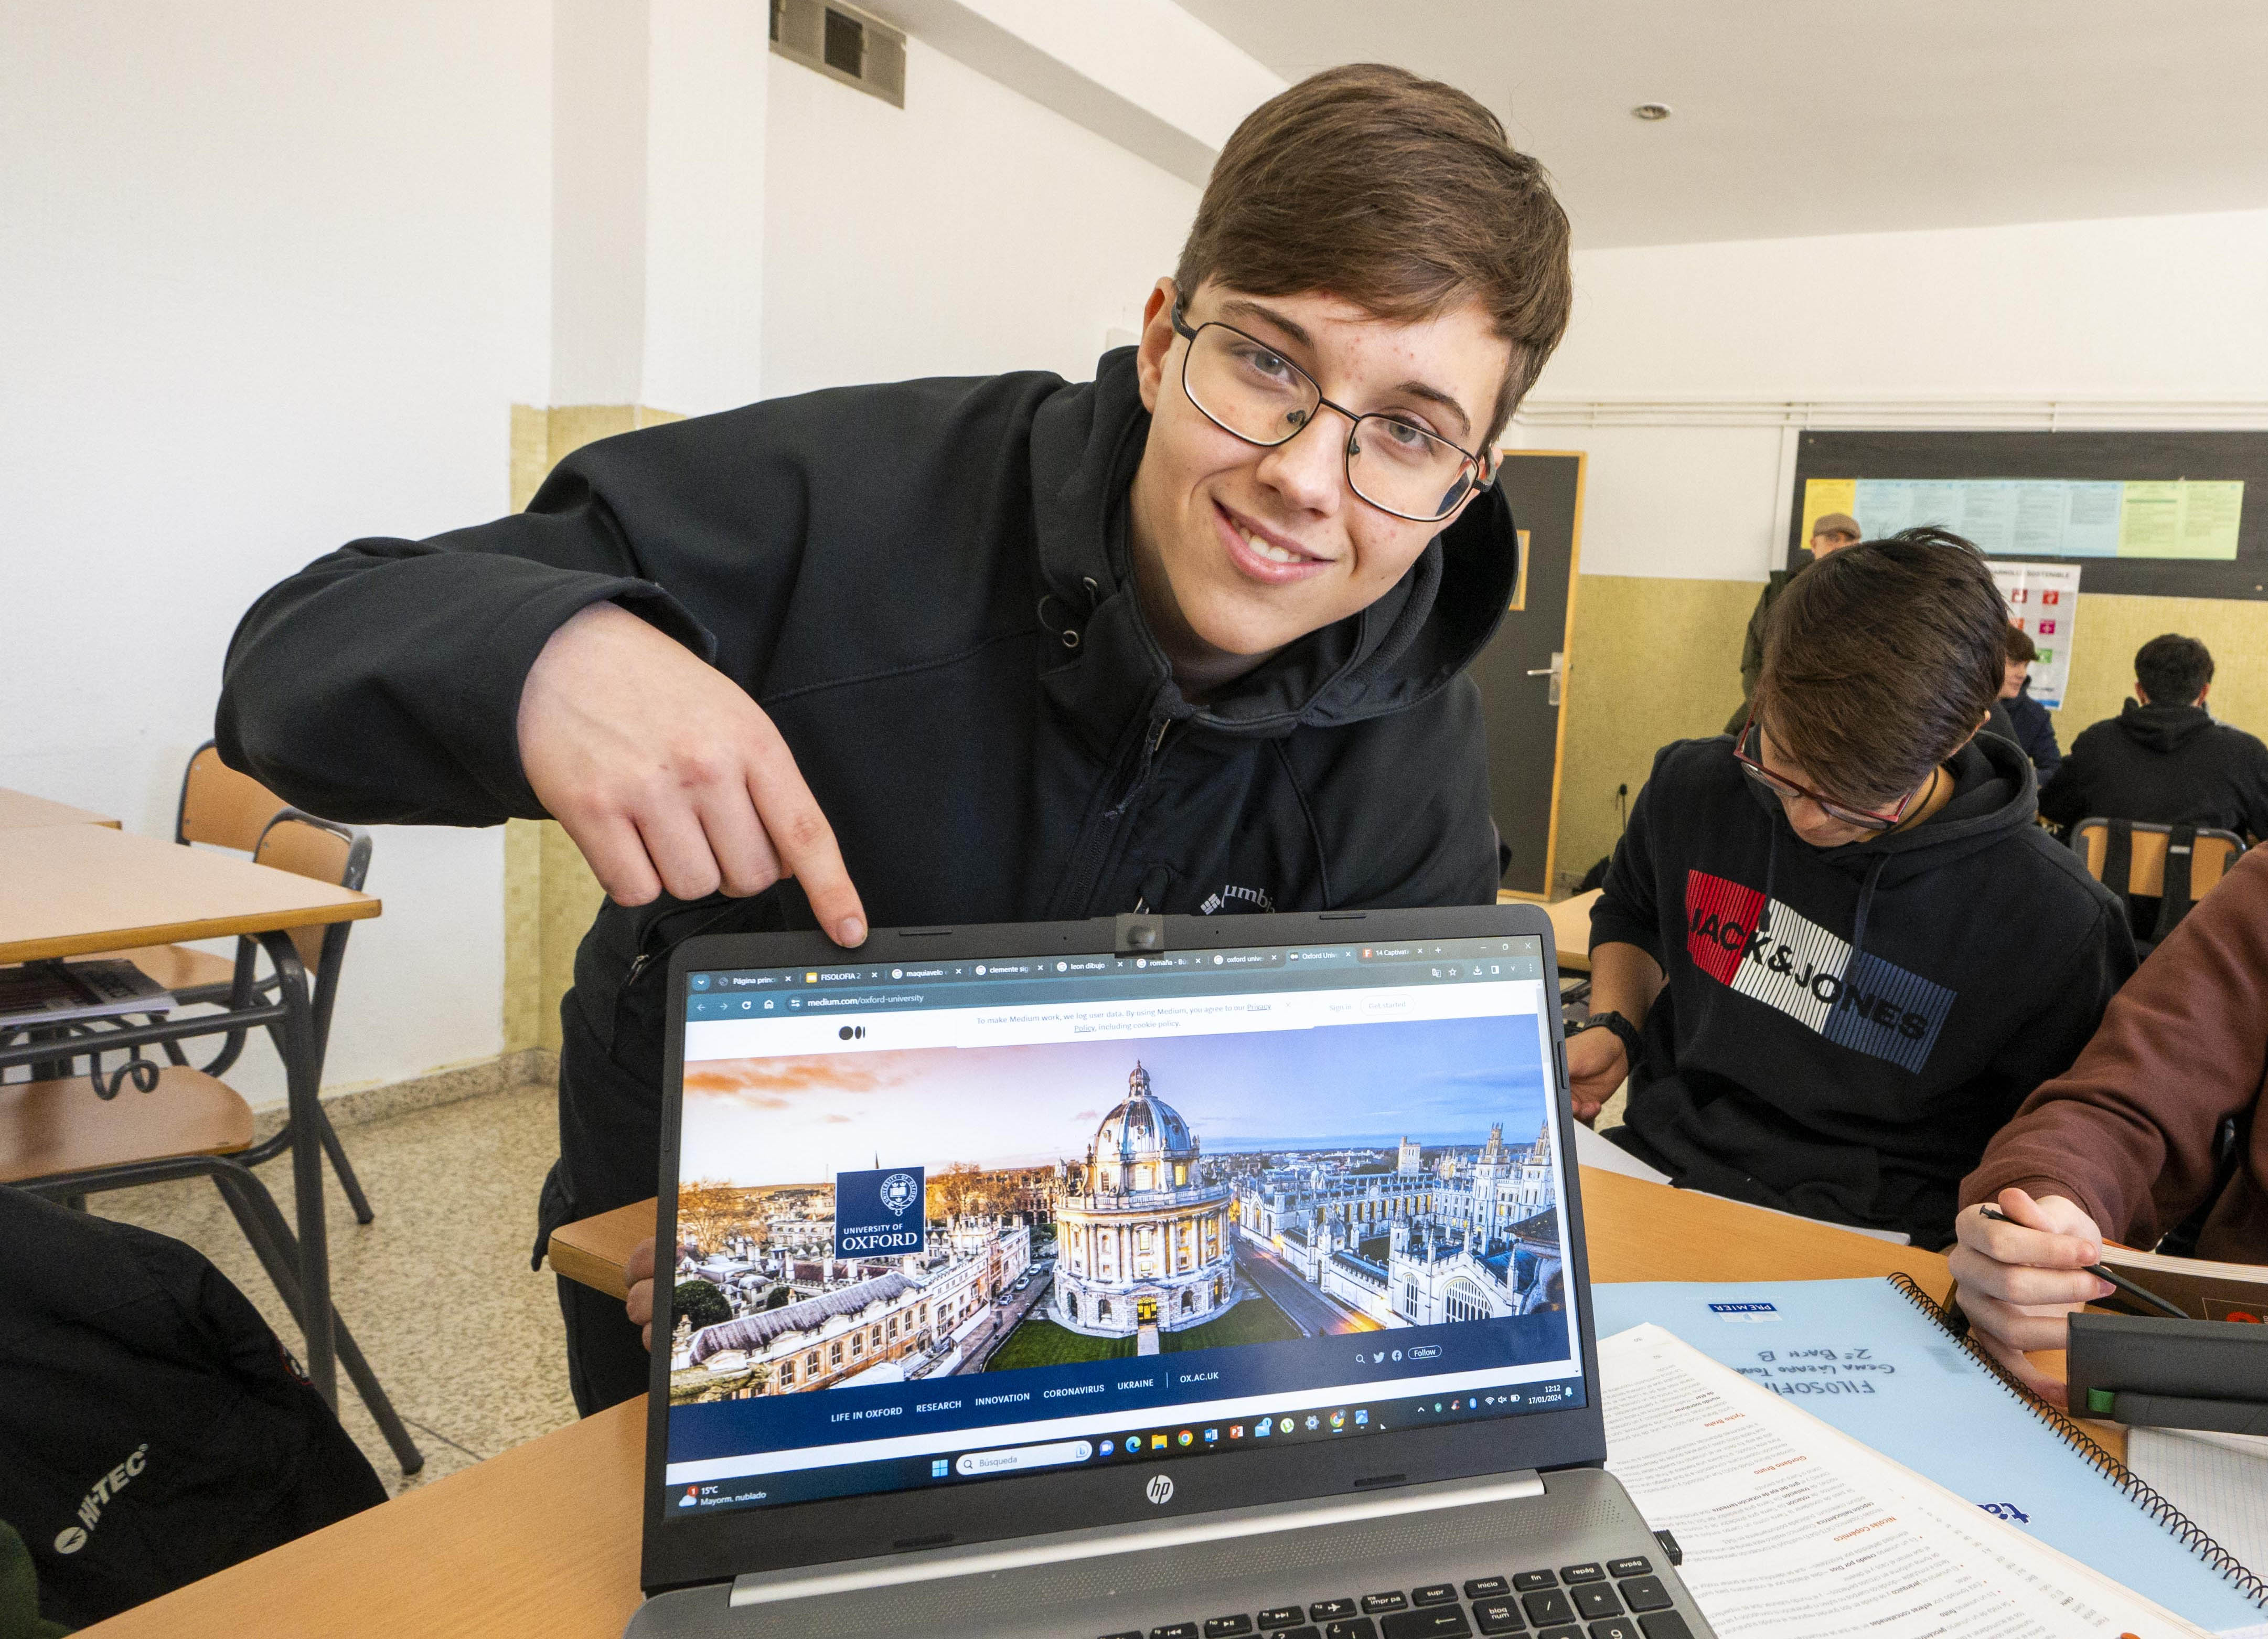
1795,1531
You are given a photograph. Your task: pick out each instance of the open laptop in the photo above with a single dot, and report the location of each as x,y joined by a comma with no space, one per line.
1167,1278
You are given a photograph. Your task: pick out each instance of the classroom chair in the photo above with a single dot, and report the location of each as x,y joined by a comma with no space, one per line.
2131,857
63,1140
222,808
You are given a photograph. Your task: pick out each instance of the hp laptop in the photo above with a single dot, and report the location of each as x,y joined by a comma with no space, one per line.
1162,1278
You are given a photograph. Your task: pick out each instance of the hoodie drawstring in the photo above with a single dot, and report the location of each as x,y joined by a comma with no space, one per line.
1772,863
1858,921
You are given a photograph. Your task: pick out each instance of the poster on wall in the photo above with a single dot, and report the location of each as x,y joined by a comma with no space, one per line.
2175,518
2043,599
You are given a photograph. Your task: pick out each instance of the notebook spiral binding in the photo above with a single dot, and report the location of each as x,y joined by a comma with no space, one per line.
2137,1490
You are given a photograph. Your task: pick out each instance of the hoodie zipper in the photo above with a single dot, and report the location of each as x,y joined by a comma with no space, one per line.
1102,835
1150,750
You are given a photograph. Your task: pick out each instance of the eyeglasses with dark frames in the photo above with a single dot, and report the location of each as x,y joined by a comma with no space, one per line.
1866,819
1250,389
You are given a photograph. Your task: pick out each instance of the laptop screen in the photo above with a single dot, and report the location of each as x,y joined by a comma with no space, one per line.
950,1224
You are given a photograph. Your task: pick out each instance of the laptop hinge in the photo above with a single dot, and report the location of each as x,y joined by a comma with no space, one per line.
976,1559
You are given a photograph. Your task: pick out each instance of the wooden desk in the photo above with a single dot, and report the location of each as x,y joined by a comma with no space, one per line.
1571,931
21,811
543,1541
594,1250
66,890
1571,925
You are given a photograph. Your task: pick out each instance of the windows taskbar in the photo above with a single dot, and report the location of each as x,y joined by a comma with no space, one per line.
1139,1442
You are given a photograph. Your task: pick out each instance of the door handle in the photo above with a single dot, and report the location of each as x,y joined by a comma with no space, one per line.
1557,671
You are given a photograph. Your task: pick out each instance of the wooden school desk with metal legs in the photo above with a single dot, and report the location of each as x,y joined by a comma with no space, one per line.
543,1541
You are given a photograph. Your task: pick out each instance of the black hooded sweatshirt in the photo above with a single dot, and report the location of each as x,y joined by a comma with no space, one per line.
1844,1029
2171,765
926,586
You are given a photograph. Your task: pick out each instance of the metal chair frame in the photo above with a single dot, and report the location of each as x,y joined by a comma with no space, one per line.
247,984
290,1019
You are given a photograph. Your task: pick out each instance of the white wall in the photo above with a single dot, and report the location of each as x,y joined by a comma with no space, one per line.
971,232
271,278
1683,362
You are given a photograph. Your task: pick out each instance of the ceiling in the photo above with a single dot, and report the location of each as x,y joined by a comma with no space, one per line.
1798,117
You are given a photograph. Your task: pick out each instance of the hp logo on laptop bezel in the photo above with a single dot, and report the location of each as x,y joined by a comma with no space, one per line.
1160,1490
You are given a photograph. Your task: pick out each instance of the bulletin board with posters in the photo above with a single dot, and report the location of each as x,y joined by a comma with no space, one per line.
2146,513
2042,601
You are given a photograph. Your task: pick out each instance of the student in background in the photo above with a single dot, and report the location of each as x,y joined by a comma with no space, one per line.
2121,1146
2163,758
1834,954
999,649
1831,532
2034,731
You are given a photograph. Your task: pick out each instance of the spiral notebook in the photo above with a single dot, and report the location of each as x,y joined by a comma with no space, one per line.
1875,1359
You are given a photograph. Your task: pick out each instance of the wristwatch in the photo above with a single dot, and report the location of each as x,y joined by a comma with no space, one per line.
1625,1032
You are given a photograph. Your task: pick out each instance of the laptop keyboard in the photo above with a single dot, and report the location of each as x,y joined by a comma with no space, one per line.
1619,1599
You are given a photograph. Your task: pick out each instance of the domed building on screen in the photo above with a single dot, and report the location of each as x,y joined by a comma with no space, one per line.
1144,1242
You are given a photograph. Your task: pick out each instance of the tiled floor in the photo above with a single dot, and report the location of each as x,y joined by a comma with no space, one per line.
466,1340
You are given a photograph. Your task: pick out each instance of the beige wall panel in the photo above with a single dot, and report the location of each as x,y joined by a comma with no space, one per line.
531,453
572,896
1654,660
523,935
2110,629
550,893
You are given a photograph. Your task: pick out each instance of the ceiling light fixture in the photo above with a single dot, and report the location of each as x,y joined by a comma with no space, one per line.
1653,111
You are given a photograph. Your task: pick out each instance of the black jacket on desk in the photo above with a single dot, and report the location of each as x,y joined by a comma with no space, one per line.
2172,765
152,1429
926,586
1844,1029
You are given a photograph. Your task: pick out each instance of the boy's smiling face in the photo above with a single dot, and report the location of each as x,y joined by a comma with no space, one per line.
1240,550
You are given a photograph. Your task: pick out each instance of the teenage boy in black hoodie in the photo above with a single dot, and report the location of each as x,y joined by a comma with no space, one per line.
2163,758
989,650
1834,953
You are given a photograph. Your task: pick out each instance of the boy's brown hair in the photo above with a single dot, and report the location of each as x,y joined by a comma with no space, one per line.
2022,650
1881,661
1398,194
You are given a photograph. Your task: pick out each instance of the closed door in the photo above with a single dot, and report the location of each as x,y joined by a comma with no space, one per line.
1524,672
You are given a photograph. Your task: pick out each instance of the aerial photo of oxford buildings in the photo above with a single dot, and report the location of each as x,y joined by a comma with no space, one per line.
1146,1241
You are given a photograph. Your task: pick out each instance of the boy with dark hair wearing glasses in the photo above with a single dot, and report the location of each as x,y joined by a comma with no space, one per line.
1834,952
1190,635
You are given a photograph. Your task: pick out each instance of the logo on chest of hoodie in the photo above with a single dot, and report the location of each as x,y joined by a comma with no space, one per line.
1791,964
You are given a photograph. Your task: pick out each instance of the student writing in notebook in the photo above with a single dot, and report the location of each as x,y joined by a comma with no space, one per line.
2123,1145
1187,638
1833,952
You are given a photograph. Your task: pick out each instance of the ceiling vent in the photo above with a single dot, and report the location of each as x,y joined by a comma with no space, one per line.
843,43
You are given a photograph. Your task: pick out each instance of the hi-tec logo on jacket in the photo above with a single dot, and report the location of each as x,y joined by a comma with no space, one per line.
1805,971
71,1538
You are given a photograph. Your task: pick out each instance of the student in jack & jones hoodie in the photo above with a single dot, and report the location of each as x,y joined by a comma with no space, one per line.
1834,953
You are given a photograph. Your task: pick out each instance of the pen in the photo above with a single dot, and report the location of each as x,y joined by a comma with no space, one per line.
2142,1294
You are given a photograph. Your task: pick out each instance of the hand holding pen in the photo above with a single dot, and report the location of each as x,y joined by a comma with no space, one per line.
2021,1267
